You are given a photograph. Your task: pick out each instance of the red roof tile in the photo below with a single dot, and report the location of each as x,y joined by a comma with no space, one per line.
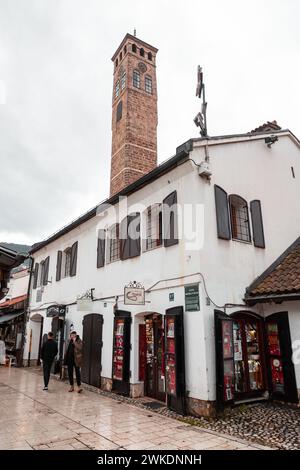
14,301
282,277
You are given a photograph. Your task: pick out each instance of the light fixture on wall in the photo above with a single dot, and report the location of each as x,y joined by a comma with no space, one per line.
271,140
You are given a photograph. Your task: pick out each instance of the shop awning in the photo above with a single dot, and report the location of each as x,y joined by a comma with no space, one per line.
14,301
9,317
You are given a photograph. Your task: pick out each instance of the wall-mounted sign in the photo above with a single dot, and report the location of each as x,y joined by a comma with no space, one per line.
84,305
134,294
191,296
56,311
171,297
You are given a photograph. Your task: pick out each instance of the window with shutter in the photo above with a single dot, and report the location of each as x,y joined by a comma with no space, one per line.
101,248
257,224
170,219
240,227
35,275
46,271
222,213
58,265
134,228
73,267
113,243
130,240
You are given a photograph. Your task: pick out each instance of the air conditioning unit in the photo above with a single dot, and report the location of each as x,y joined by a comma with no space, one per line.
205,170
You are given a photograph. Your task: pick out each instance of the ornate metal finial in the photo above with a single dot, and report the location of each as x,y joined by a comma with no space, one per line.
134,32
200,119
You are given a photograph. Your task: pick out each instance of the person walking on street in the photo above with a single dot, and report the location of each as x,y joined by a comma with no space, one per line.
73,359
48,353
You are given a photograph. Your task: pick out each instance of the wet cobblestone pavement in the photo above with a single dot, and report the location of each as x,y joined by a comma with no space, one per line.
269,424
31,418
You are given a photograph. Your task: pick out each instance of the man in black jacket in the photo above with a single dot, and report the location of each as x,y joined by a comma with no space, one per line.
48,353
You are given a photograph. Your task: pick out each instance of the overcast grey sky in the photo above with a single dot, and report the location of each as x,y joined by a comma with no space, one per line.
56,85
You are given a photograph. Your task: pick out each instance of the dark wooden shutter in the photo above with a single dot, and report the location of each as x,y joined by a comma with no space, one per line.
35,275
134,236
257,224
175,360
222,213
290,393
224,359
124,240
170,219
74,259
46,271
101,249
58,265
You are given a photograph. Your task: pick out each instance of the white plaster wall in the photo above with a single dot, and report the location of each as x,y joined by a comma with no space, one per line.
249,169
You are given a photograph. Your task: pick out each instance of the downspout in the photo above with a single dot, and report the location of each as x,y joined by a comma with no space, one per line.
26,312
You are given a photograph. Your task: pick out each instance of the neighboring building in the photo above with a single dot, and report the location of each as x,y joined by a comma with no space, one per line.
198,241
9,259
13,309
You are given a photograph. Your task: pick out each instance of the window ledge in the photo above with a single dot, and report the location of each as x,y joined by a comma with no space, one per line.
242,241
145,250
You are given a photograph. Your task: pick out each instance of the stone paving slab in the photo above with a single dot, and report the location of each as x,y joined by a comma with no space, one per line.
60,420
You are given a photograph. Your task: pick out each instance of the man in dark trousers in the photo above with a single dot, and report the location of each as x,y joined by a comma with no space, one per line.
73,359
48,353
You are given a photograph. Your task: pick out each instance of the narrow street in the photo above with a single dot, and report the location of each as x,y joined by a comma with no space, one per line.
57,420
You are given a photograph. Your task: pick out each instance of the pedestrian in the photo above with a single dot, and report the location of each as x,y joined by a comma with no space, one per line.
73,359
48,353
2,351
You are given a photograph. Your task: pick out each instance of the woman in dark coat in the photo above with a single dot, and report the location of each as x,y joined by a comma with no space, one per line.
73,359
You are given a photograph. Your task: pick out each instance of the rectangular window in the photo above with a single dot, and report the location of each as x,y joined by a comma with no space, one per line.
123,80
114,243
117,89
136,79
148,85
153,226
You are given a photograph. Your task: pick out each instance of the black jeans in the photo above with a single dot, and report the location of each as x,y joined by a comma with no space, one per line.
46,369
71,366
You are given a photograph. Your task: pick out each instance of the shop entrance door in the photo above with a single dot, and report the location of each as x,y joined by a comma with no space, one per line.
58,330
249,357
92,348
155,374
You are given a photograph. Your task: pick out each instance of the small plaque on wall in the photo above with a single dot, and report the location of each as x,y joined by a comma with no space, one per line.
191,296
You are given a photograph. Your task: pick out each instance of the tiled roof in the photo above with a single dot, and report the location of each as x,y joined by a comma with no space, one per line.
14,301
268,126
281,278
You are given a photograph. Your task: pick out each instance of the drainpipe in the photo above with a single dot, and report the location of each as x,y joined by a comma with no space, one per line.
27,303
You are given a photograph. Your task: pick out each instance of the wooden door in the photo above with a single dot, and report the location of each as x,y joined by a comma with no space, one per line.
92,349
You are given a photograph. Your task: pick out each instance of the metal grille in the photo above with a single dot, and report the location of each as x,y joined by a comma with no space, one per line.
154,227
117,89
148,85
123,80
114,243
136,79
239,219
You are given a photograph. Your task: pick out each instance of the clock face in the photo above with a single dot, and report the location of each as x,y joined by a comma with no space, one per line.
142,67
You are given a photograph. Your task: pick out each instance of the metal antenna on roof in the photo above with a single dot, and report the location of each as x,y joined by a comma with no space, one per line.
200,119
134,32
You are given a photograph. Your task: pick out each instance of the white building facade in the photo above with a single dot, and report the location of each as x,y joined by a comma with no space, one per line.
194,342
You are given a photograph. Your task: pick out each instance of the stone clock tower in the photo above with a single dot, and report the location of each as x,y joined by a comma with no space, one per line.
134,113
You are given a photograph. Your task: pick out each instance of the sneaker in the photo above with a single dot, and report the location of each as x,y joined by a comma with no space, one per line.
71,389
45,388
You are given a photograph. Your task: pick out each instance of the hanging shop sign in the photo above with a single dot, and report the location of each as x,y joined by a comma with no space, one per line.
134,294
85,301
56,311
191,295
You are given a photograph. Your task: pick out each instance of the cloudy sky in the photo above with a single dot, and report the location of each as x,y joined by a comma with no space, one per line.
56,84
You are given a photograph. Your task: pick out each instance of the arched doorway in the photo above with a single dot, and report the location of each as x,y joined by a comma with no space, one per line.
36,322
151,356
92,349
